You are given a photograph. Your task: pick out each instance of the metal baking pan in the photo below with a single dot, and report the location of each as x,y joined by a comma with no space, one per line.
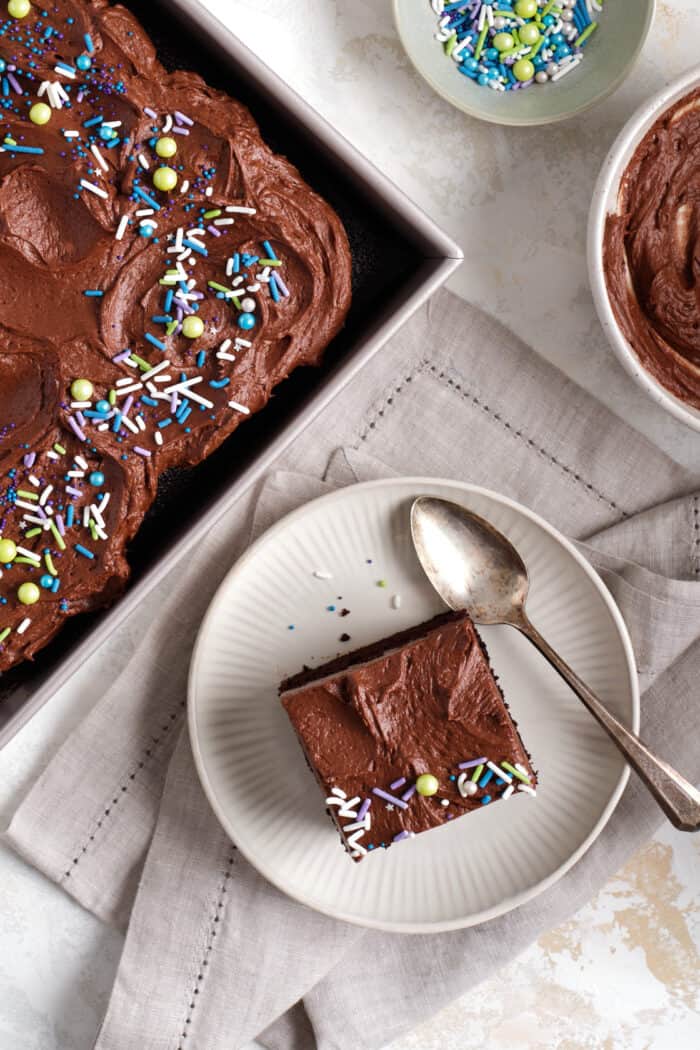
400,257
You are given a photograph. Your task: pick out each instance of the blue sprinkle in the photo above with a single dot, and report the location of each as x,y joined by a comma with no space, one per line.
164,422
149,401
147,198
201,358
485,800
269,254
155,342
218,384
93,293
93,122
69,515
88,43
84,551
488,775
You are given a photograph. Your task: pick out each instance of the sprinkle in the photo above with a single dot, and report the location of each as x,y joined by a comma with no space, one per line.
472,763
397,783
485,800
60,543
409,793
389,798
84,551
99,158
488,775
508,792
76,429
93,293
401,836
88,44
142,451
527,789
516,772
150,201
396,601
477,773
321,574
24,625
155,342
364,808
4,633
498,772
94,189
239,408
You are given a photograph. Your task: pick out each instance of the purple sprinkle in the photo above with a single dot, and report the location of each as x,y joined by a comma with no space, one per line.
142,451
173,401
42,513
181,118
150,113
213,231
126,407
81,95
60,524
15,83
473,763
179,131
71,491
397,783
197,295
121,357
362,811
389,798
81,418
281,285
76,430
401,835
29,460
409,793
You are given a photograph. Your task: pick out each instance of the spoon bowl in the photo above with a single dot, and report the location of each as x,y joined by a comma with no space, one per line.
470,564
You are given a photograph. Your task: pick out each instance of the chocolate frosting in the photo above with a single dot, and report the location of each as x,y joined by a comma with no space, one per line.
241,234
652,251
419,702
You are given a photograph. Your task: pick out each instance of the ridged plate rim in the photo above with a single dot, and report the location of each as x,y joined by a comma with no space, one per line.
195,700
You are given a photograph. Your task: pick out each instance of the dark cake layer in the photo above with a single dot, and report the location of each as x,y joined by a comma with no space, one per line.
409,733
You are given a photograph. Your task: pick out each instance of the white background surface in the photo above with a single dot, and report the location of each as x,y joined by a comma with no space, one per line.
624,974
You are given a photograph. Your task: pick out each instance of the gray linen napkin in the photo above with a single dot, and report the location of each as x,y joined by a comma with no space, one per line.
214,955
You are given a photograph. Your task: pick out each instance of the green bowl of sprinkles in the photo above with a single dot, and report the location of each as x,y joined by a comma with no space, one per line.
454,47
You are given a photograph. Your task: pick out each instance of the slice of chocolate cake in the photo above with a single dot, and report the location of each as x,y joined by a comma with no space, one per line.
409,733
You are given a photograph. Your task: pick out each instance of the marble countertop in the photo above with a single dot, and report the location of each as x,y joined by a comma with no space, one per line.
624,974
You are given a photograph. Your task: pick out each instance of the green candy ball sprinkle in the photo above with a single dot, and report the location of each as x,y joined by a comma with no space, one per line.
192,327
526,8
81,389
29,594
503,41
427,785
529,34
523,70
19,8
8,551
165,179
166,147
40,113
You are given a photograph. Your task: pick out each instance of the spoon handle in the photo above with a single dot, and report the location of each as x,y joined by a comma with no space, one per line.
678,798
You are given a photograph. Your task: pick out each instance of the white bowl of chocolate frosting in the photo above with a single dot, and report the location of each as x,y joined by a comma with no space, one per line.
644,247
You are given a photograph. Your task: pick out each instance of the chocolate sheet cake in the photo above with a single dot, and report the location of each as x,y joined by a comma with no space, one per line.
407,734
161,270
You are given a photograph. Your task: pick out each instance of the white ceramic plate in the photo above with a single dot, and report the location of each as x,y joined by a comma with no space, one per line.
605,202
252,767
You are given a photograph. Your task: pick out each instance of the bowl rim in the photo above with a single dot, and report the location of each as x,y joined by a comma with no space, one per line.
610,174
527,122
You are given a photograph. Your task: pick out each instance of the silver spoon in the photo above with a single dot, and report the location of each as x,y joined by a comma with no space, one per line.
474,567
